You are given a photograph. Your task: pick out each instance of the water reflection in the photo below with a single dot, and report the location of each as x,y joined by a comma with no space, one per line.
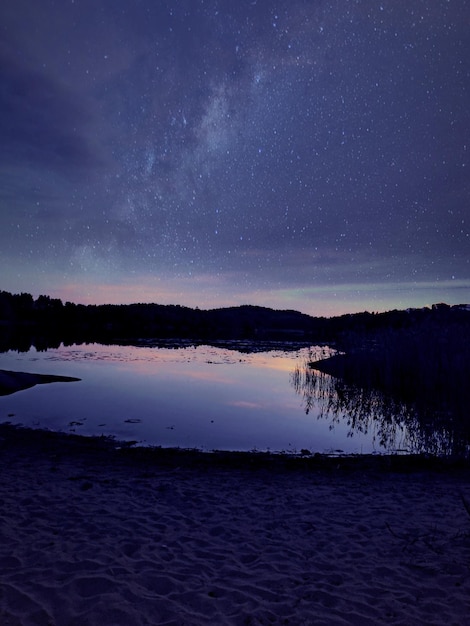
394,424
218,398
194,396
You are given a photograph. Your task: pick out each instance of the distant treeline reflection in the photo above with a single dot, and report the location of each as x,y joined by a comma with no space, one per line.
410,387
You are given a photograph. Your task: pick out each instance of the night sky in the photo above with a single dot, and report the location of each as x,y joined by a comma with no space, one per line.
300,154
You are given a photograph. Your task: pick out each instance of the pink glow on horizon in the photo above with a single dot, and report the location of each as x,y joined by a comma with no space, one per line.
202,293
209,292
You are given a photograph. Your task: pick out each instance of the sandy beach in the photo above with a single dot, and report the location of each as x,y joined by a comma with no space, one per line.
91,535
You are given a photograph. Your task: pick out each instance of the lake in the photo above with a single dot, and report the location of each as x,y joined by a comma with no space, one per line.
201,397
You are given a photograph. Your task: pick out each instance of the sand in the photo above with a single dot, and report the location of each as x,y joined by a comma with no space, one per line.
89,535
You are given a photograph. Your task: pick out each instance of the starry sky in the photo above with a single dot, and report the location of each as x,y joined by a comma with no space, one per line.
301,154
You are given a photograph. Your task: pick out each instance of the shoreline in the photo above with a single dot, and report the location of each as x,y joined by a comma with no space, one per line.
40,440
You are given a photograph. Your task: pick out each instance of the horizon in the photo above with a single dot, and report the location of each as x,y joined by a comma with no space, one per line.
314,308
333,306
288,154
245,304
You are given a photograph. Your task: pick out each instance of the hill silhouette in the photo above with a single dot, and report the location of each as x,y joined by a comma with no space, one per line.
24,319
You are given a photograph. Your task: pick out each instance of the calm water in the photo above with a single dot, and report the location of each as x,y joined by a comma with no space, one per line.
203,397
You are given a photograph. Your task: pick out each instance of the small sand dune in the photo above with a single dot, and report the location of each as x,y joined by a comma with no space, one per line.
11,382
90,537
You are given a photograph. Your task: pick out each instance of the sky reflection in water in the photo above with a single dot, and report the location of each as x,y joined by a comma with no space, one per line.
204,397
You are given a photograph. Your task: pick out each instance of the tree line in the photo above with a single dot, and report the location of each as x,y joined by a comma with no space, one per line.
24,318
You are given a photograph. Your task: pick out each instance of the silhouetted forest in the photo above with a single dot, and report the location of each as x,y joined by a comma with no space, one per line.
45,321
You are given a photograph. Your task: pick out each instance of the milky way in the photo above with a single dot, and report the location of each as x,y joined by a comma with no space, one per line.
297,154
